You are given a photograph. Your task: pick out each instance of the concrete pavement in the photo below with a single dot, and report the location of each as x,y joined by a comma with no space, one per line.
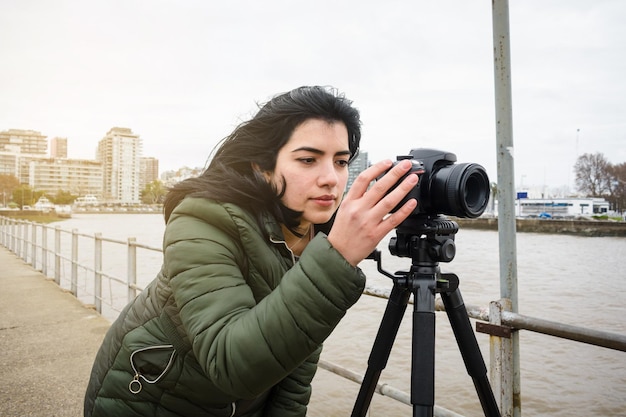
48,340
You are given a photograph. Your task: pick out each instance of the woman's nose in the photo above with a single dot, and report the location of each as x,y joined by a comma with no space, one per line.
328,175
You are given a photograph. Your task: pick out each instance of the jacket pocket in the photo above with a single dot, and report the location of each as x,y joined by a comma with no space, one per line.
150,365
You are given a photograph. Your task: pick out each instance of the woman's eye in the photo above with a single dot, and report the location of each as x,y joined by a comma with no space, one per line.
307,160
342,163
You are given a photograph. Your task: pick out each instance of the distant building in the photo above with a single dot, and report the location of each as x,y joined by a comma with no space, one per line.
148,172
358,165
77,176
9,163
560,207
58,147
23,141
120,152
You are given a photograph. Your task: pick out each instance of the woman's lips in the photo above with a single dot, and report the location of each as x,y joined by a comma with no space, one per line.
324,200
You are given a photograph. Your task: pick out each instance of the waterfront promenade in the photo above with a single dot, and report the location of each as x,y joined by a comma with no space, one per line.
48,340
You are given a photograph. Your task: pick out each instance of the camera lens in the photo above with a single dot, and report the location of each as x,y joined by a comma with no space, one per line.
460,190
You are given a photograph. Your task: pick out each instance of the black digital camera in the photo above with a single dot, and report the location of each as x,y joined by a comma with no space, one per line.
460,190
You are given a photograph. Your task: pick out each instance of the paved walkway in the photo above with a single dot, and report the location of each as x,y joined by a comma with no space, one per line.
48,341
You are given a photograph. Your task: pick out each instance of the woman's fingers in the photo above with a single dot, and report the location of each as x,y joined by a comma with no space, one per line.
383,200
364,216
365,178
383,184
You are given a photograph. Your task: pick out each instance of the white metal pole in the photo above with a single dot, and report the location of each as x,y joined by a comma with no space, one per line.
506,182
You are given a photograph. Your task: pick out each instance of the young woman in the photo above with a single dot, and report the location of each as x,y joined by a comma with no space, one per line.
254,279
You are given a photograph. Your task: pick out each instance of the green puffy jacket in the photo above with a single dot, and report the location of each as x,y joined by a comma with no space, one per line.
231,325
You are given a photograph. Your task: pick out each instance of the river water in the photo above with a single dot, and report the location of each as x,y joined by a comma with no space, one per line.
569,279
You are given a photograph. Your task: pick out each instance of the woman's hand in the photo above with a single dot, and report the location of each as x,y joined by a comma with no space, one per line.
363,218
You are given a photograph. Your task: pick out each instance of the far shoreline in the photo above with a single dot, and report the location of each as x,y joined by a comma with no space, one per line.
589,228
39,216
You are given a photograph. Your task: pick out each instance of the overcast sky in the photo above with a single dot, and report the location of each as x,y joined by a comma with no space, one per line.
183,73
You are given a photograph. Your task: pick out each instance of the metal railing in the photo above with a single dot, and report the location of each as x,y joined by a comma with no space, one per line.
31,242
64,255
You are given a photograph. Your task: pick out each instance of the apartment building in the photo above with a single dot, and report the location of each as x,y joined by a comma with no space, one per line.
78,176
58,147
358,165
119,152
9,163
149,171
23,141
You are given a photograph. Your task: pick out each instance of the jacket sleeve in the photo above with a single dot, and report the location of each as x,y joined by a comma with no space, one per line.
291,396
246,347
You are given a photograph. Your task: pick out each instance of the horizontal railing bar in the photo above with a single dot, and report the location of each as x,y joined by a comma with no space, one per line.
111,277
382,389
565,331
602,338
143,246
110,240
517,321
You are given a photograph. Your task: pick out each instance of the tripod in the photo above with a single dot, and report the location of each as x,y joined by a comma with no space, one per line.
426,240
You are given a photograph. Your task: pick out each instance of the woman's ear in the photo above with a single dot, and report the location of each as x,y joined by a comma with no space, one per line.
266,174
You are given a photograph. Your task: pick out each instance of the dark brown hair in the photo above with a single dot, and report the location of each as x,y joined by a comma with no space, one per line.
230,176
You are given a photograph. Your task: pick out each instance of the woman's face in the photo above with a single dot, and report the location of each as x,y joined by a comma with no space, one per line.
314,164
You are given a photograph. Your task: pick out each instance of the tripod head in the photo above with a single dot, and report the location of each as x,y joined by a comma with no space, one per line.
425,238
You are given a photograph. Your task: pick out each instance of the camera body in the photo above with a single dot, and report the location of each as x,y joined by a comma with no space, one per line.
460,190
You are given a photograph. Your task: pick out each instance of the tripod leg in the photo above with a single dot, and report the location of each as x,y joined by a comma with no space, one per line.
396,306
423,354
468,345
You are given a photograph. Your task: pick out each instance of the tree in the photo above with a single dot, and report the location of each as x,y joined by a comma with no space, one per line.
617,187
592,175
153,193
8,183
24,196
596,177
64,197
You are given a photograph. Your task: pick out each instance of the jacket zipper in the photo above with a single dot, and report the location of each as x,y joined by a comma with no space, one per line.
135,385
278,242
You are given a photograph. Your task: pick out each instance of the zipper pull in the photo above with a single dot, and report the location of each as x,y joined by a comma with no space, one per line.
135,385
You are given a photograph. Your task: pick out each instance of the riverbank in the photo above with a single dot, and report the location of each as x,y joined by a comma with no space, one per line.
592,228
32,216
41,216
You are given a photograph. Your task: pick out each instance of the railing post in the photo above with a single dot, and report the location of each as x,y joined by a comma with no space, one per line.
74,285
11,238
132,269
3,222
97,257
501,360
44,250
15,237
57,255
25,241
17,229
33,245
